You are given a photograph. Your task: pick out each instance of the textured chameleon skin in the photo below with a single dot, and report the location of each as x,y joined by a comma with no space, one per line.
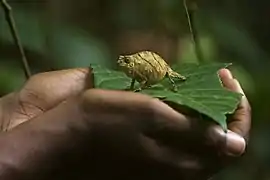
147,68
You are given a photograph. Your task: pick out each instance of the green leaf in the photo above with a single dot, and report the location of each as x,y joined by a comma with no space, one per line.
109,79
202,91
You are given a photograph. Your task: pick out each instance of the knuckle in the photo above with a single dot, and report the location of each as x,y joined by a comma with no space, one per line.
86,99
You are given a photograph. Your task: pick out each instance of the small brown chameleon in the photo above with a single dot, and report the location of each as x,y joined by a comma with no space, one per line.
146,67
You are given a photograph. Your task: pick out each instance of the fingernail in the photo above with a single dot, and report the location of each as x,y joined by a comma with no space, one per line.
235,145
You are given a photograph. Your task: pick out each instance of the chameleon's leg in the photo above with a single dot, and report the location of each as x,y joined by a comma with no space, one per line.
143,85
132,83
131,86
172,82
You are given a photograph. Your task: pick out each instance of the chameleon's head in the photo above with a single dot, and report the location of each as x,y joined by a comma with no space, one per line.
125,63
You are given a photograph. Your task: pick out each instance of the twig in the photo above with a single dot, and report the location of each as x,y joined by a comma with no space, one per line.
194,35
10,20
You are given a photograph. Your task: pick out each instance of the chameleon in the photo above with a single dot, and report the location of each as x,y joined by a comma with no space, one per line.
147,68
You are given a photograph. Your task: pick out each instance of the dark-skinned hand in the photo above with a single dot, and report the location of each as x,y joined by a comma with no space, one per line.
58,127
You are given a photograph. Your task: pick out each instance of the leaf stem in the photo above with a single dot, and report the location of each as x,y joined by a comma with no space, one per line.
11,23
194,35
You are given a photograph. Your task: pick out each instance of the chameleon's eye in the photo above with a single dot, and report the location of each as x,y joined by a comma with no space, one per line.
126,60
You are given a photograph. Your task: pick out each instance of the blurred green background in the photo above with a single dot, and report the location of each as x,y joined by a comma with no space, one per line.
59,34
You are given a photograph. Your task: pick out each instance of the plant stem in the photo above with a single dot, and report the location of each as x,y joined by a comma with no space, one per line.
10,20
194,35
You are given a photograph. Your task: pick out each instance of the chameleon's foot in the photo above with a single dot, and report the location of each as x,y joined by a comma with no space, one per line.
138,90
142,87
183,78
174,88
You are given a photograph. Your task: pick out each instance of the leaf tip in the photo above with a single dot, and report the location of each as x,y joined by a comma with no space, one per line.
90,68
228,64
224,127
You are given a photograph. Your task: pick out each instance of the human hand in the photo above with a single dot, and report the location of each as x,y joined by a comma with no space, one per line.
77,133
228,147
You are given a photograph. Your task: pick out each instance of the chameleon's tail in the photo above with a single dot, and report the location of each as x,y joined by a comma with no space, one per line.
174,74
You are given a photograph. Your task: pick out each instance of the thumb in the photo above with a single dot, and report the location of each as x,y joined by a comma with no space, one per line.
229,143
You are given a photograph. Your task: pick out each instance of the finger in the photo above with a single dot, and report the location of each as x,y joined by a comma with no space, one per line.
176,164
230,143
7,102
159,115
46,90
49,88
241,120
158,124
233,142
226,77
